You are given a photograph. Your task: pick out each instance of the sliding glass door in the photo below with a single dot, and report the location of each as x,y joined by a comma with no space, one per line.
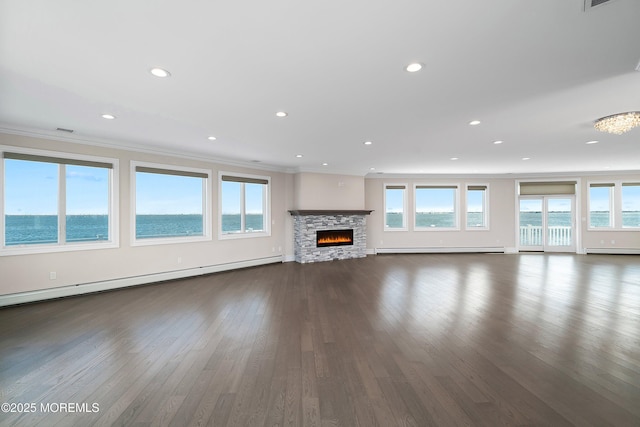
547,223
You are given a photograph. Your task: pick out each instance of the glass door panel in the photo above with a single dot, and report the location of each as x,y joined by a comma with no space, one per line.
531,219
559,224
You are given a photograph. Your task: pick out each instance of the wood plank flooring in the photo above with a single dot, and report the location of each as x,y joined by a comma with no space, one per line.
406,340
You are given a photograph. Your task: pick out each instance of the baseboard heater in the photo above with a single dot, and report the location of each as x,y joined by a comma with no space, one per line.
438,250
106,285
613,251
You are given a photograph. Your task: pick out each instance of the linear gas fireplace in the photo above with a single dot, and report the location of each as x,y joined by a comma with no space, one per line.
327,235
334,238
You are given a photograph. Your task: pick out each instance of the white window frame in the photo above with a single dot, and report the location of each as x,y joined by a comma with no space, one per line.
612,205
61,245
266,207
623,184
456,207
485,207
405,213
206,208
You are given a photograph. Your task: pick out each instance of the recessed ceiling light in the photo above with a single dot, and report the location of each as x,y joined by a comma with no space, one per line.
160,72
367,143
108,116
325,164
526,158
281,114
498,142
211,138
591,142
474,122
454,158
372,169
299,156
413,67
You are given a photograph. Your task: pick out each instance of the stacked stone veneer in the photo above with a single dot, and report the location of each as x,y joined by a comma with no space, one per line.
305,227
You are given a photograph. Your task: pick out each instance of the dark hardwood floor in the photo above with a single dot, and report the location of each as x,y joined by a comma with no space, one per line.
410,340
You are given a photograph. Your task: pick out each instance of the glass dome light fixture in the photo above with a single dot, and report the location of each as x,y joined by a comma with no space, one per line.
618,123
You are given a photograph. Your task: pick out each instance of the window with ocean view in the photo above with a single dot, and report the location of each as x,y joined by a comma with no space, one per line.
244,201
53,202
601,205
436,207
170,203
477,207
395,207
631,205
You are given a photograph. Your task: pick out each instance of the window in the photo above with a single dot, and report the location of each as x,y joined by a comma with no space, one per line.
436,207
244,205
55,203
601,205
477,207
395,207
631,205
171,204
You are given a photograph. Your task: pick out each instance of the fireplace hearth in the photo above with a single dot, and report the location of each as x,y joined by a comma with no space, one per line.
327,235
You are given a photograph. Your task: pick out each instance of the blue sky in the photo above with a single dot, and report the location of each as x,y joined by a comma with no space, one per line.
32,189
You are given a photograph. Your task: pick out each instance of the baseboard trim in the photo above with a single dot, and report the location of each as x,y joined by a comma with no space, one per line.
613,251
87,288
438,250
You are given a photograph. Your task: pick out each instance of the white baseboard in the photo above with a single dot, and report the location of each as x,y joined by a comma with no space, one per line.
86,288
289,258
613,251
437,250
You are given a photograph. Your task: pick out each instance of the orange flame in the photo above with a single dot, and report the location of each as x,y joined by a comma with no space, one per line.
333,239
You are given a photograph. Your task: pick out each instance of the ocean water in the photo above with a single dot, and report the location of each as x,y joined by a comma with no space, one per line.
43,229
434,220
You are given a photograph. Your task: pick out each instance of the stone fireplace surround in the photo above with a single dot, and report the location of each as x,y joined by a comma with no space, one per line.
307,222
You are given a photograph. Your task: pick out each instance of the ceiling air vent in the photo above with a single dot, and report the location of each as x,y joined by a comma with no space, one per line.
590,4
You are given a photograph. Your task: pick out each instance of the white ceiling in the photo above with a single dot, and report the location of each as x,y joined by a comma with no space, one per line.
537,74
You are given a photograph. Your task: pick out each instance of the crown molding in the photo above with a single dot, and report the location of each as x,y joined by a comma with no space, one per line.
132,147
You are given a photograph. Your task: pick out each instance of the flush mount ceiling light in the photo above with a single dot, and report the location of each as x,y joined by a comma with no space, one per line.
413,67
299,156
211,138
325,164
160,72
591,142
618,123
367,143
498,142
108,116
474,122
281,114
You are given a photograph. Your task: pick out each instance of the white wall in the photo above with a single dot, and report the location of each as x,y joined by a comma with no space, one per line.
501,217
503,202
25,273
324,191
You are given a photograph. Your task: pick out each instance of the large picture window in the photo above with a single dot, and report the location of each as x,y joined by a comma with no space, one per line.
395,207
171,204
436,207
55,202
477,207
601,205
631,205
244,205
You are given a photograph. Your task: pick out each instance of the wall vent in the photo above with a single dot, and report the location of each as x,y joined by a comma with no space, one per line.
590,4
65,130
